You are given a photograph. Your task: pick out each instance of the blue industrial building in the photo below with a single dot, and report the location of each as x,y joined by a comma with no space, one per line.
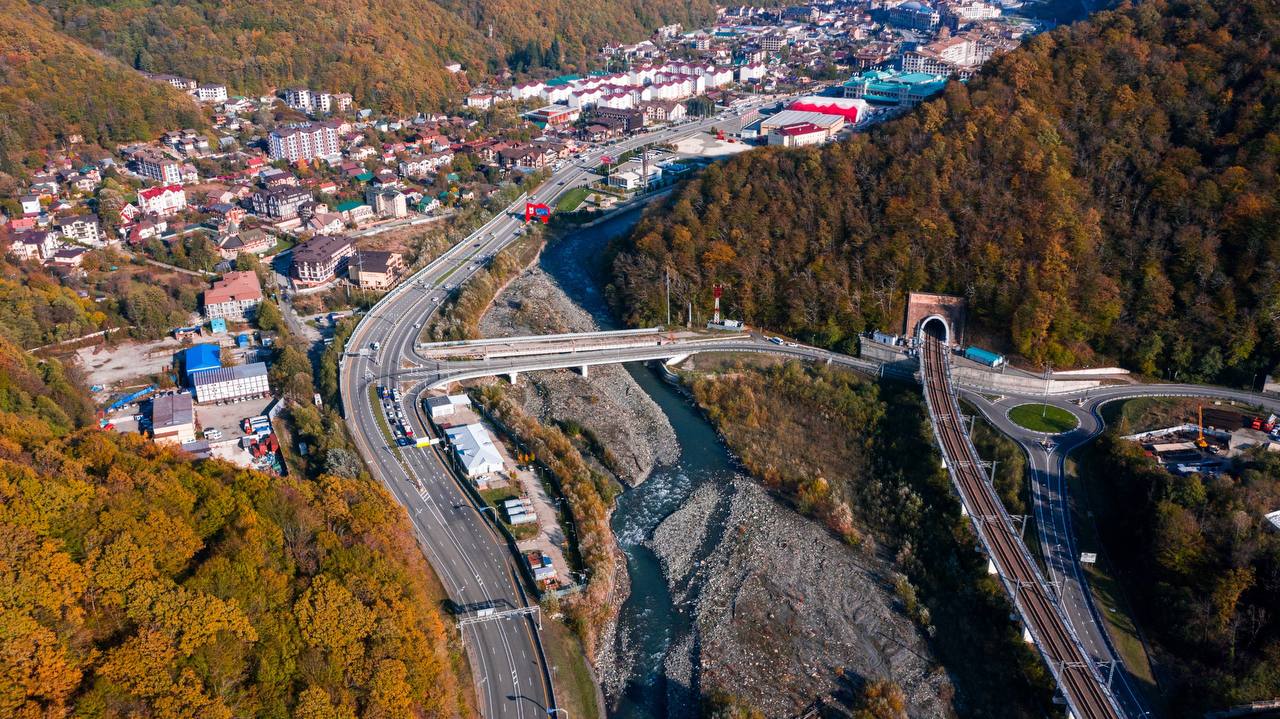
199,358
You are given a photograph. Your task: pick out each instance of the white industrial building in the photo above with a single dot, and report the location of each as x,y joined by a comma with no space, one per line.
231,383
475,450
444,406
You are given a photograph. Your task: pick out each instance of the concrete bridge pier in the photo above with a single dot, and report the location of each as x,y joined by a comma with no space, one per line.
673,361
511,377
583,371
991,567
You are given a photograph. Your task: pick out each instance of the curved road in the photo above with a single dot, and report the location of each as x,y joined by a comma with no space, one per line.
1047,472
511,673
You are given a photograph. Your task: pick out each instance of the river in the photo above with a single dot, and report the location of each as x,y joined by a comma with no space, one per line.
647,619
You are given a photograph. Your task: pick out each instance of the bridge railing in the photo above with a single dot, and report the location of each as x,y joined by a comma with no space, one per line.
1007,582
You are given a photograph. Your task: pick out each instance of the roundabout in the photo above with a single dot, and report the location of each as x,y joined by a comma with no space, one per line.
1043,418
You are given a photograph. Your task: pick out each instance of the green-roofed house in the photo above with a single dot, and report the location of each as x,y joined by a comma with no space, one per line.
365,176
355,211
893,87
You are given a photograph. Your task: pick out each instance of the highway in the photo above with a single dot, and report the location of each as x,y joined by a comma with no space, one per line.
510,671
1065,586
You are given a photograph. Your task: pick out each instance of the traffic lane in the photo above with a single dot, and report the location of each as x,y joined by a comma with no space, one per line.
1073,593
495,659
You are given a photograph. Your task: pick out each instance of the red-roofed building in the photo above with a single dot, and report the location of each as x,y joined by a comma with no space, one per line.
798,135
165,200
233,297
848,108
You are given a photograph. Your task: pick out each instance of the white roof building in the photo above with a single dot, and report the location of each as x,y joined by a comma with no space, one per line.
475,449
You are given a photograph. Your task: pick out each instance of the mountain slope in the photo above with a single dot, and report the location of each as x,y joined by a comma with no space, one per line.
52,86
388,53
139,583
1108,190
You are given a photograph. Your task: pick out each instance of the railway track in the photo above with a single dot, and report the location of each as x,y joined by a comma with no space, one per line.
1082,686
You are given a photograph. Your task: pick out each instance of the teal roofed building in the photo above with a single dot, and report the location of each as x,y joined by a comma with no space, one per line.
349,205
893,87
563,80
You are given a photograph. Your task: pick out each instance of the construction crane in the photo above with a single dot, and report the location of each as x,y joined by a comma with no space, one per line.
1200,440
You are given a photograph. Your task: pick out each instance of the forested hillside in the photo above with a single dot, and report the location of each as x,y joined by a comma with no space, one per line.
1202,542
52,86
1108,191
136,582
387,54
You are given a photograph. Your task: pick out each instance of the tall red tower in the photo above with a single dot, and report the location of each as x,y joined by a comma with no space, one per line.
716,291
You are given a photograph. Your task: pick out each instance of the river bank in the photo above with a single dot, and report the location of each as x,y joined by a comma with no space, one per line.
721,591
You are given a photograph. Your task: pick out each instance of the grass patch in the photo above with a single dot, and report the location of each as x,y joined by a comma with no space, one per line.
571,199
1089,500
575,687
1043,418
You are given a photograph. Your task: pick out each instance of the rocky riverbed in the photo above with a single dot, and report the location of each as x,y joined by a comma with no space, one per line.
784,612
608,404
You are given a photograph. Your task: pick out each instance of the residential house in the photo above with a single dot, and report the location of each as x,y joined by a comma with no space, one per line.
372,270
321,258
253,241
163,201
281,203
234,297
80,228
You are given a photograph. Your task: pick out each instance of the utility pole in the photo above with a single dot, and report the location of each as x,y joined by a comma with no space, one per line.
667,274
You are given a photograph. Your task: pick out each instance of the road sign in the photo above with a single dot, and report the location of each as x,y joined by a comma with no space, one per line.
1088,558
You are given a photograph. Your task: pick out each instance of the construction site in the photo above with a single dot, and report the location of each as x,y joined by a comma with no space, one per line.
1209,440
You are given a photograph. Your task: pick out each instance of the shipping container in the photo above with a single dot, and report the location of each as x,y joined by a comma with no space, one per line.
986,357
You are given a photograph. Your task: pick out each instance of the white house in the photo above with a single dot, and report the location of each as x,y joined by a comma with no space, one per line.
165,200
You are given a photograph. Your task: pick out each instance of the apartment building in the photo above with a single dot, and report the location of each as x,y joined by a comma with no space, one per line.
321,259
305,142
234,297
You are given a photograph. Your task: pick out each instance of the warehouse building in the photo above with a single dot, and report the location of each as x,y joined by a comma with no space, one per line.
173,419
474,449
229,384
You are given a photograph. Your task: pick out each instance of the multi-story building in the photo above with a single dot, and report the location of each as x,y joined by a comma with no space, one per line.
80,228
159,168
375,270
305,142
660,111
280,203
165,201
321,258
211,93
299,98
915,15
958,55
234,297
387,202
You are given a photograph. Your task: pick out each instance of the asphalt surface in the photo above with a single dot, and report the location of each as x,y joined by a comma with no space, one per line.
1047,455
507,662
1046,459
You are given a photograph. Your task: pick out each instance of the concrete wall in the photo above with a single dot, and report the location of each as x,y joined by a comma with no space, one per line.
896,360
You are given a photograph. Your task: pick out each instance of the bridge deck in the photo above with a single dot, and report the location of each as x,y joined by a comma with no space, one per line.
1083,687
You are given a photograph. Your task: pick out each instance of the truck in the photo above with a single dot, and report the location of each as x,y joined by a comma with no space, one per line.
986,357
